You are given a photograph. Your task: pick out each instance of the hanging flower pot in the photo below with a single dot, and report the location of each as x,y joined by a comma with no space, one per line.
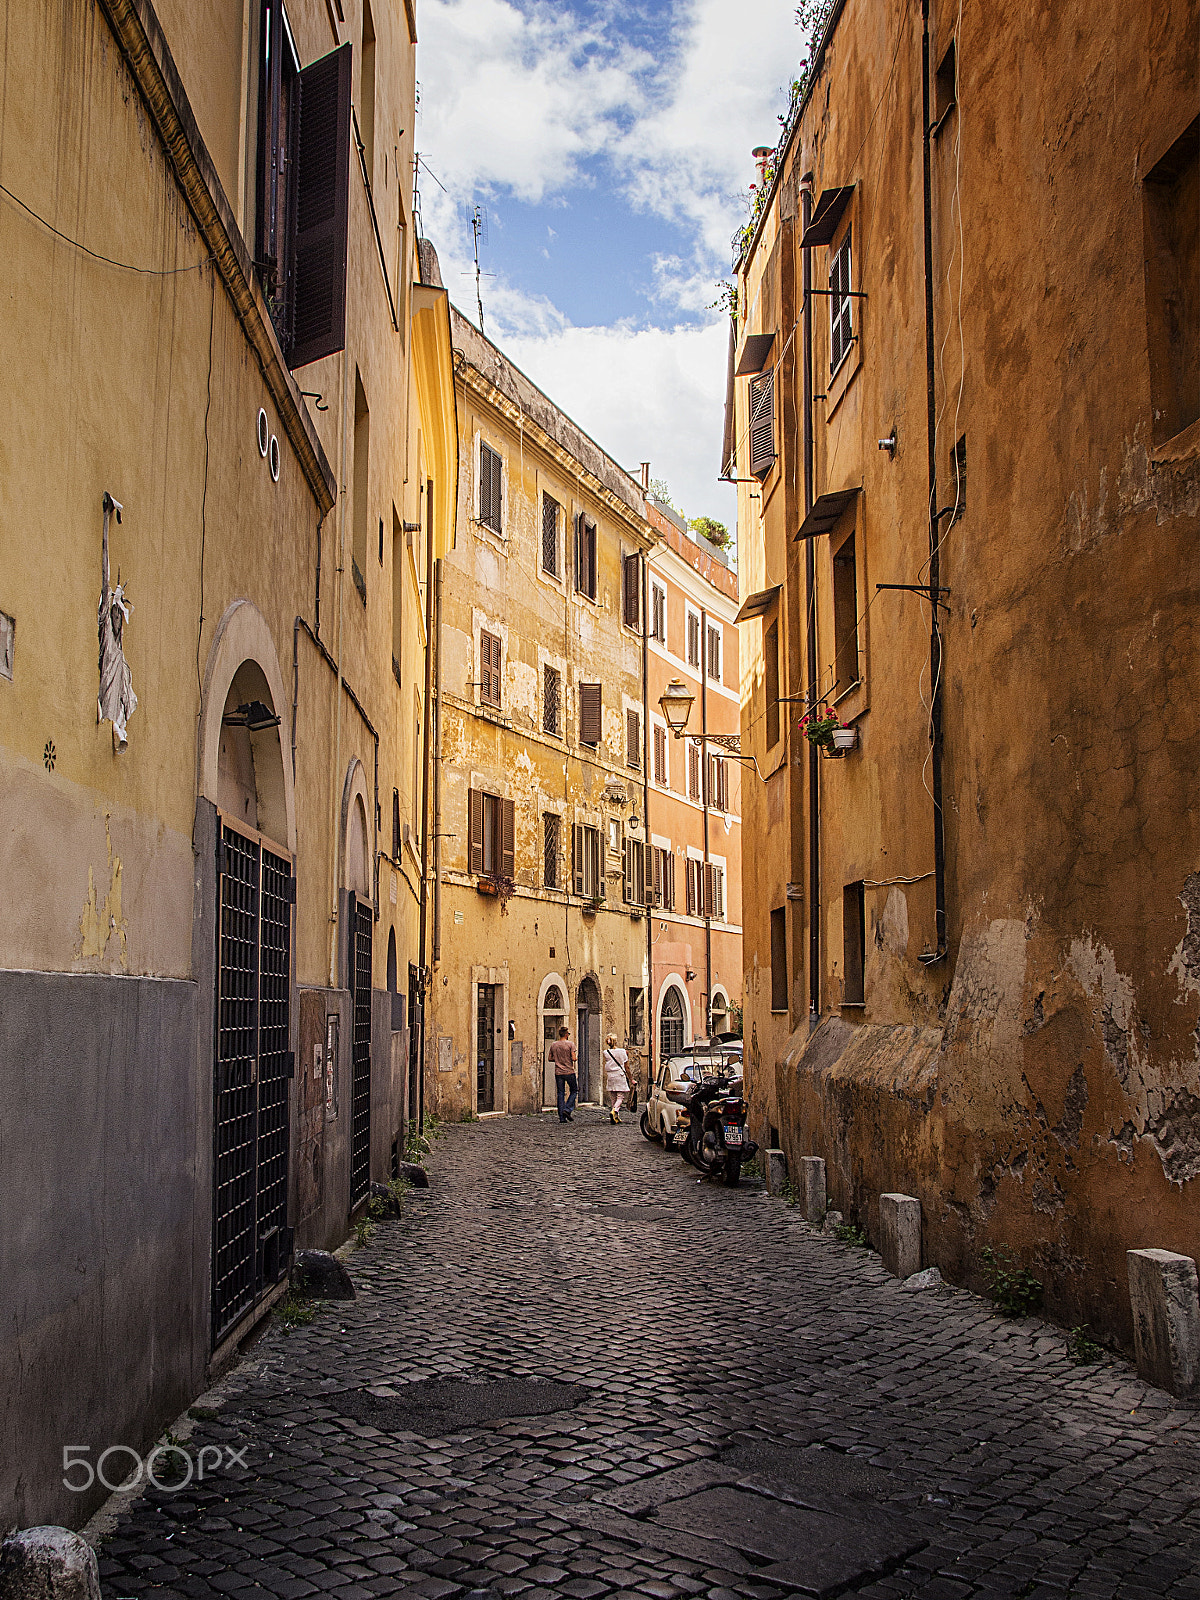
845,739
818,726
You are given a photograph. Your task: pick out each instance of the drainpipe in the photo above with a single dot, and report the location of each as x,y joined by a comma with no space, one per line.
935,636
648,1008
437,769
425,720
335,783
704,801
810,589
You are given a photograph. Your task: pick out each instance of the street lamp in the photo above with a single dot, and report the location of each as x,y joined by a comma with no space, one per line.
676,701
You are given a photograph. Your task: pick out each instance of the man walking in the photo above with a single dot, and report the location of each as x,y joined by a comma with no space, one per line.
566,1084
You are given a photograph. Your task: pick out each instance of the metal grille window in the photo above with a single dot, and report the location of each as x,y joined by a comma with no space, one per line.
550,509
489,669
551,850
489,487
841,320
251,1242
762,423
633,740
671,1025
551,700
362,927
660,757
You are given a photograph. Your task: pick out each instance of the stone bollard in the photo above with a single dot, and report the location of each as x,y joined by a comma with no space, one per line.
812,1188
320,1276
1164,1293
48,1564
776,1165
900,1234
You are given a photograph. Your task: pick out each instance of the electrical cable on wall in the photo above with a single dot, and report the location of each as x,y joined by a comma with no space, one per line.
109,261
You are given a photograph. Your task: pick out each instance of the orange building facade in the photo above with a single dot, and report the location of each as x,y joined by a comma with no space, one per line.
693,822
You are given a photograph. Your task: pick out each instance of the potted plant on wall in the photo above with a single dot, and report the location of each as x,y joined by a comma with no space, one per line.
496,884
823,727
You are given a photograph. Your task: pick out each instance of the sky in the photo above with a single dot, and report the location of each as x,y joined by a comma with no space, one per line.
609,145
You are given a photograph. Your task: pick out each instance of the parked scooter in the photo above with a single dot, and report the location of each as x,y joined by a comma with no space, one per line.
716,1141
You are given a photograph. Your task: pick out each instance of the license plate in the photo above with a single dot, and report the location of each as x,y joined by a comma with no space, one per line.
733,1134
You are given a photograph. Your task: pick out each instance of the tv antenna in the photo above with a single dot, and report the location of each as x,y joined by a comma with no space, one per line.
479,229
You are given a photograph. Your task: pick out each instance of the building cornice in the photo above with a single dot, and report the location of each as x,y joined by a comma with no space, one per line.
142,41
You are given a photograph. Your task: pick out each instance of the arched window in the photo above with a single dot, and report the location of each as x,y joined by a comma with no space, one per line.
554,999
671,1025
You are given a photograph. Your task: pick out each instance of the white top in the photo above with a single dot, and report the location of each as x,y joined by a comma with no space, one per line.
615,1077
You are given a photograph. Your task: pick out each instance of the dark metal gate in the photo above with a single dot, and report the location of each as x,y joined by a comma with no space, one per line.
485,1092
360,1086
251,1238
416,1043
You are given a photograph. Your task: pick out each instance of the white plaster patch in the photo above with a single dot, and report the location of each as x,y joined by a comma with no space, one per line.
895,923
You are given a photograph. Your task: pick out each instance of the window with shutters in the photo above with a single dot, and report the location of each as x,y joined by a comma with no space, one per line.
633,740
845,616
631,591
779,983
489,669
551,700
278,143
771,682
658,613
491,825
695,886
551,850
490,486
586,866
714,892
633,873
762,423
661,771
693,771
668,881
714,654
660,878
550,521
303,192
693,638
718,783
841,317
637,1016
590,713
585,556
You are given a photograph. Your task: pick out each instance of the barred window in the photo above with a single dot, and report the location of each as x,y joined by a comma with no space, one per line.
551,701
551,850
550,509
841,321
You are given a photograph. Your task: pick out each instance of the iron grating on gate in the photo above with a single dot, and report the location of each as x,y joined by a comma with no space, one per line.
251,1070
360,1087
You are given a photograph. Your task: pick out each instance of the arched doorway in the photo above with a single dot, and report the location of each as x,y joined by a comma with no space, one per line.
553,1008
587,1042
672,1024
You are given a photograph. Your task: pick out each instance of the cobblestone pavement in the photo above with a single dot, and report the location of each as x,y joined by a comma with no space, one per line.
750,1410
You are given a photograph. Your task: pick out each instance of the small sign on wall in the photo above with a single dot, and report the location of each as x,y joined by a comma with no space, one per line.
332,1026
445,1053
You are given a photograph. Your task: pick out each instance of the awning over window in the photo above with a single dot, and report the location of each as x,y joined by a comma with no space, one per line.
827,508
754,353
754,605
828,214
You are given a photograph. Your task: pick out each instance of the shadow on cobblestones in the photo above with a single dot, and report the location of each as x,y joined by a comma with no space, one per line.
753,1410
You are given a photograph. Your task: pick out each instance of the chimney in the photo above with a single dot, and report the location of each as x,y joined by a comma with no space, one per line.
645,470
762,153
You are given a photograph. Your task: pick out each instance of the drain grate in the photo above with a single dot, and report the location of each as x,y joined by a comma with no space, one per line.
438,1407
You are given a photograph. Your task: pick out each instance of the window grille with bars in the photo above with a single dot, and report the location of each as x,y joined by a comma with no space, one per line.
762,423
551,700
360,1082
660,757
841,318
490,490
551,850
633,740
489,669
550,510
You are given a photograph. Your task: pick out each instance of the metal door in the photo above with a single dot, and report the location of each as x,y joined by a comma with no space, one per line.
583,1052
486,1049
252,1065
362,929
416,1037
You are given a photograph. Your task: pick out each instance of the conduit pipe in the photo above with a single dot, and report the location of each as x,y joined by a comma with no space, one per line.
810,592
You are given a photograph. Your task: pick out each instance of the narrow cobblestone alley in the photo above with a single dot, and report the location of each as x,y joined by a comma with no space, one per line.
748,1408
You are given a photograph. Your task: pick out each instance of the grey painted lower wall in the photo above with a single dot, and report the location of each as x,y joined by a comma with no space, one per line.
101,1226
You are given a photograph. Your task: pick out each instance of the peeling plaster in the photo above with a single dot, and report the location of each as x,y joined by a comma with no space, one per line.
101,920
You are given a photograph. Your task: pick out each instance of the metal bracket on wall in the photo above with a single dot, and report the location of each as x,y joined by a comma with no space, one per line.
924,589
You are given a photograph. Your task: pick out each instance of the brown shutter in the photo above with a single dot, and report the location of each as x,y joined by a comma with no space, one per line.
322,208
591,549
708,889
485,484
656,870
627,871
639,868
577,857
660,755
508,838
633,609
689,864
590,712
633,737
578,564
762,423
475,831
496,489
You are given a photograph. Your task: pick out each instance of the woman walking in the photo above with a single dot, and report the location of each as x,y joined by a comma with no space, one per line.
616,1079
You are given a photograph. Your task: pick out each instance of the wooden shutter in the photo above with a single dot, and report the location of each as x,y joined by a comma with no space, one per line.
580,555
590,711
632,591
577,857
322,208
589,559
497,487
660,755
639,872
656,874
689,869
508,838
597,874
475,831
627,871
633,738
668,881
762,423
708,889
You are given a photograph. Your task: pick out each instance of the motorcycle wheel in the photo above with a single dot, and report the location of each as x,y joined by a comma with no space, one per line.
733,1170
646,1128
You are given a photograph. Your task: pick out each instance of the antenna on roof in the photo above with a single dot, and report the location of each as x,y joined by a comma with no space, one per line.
479,228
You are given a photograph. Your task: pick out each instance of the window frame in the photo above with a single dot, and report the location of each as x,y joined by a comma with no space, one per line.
716,636
659,731
494,814
633,738
587,541
555,572
495,484
779,974
592,744
691,615
551,826
658,612
841,302
548,671
491,671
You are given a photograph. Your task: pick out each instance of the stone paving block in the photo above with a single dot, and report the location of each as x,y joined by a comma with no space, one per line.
1164,1294
900,1234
